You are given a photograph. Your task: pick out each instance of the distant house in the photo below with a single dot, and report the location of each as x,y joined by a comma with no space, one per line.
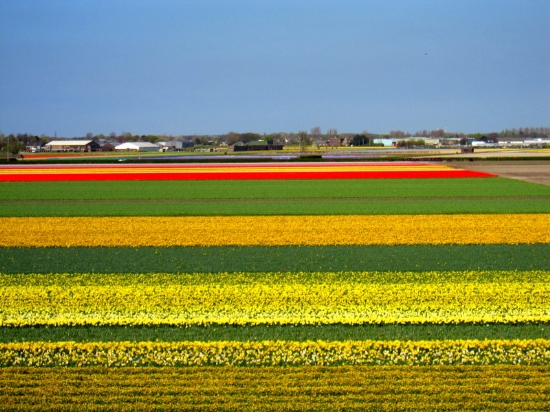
186,143
320,143
34,148
71,146
137,147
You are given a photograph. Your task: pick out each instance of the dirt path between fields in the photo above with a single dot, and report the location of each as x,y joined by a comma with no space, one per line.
528,170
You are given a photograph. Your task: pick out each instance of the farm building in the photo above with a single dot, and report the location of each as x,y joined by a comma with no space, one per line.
137,147
171,145
34,148
254,145
71,146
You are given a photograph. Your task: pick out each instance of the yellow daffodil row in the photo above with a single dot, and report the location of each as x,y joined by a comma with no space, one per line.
276,353
384,388
274,299
275,230
66,280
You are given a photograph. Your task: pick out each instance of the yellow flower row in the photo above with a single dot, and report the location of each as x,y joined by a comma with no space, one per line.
276,299
276,353
497,387
275,230
65,280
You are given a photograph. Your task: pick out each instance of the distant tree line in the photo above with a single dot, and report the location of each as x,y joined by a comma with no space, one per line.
18,142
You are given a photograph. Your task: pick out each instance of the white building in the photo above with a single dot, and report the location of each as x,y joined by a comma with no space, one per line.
137,147
171,145
386,142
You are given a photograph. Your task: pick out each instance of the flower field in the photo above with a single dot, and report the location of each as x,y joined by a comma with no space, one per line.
277,230
240,299
351,388
272,171
330,286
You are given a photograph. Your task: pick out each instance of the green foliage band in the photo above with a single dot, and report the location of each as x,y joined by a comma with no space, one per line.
290,189
297,333
275,259
271,207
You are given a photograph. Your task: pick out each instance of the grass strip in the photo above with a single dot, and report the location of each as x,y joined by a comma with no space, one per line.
490,388
414,258
269,207
314,189
299,333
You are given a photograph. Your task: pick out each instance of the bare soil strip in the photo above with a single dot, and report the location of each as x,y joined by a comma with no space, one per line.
535,171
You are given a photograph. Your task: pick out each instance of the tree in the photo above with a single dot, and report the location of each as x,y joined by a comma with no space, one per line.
278,138
232,138
437,133
249,137
302,135
151,138
316,133
397,134
201,140
12,144
359,140
411,143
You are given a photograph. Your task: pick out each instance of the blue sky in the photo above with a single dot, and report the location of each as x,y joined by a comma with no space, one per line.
210,66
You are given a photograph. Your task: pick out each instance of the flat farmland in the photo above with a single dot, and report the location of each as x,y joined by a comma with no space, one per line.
535,171
402,286
284,197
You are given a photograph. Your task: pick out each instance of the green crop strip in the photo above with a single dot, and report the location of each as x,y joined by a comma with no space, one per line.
272,259
266,207
287,189
299,333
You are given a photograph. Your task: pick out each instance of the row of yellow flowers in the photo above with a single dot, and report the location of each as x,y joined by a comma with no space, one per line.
276,230
274,278
276,353
358,388
276,298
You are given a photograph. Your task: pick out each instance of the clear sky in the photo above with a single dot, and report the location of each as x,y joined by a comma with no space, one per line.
212,66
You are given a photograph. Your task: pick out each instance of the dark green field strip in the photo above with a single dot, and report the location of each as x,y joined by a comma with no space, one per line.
264,332
273,207
274,259
289,189
372,388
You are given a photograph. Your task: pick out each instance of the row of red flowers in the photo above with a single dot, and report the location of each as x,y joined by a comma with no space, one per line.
230,175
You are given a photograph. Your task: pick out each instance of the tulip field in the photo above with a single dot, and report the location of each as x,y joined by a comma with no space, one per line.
273,286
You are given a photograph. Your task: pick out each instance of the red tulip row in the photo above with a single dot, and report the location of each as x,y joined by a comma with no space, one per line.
85,175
